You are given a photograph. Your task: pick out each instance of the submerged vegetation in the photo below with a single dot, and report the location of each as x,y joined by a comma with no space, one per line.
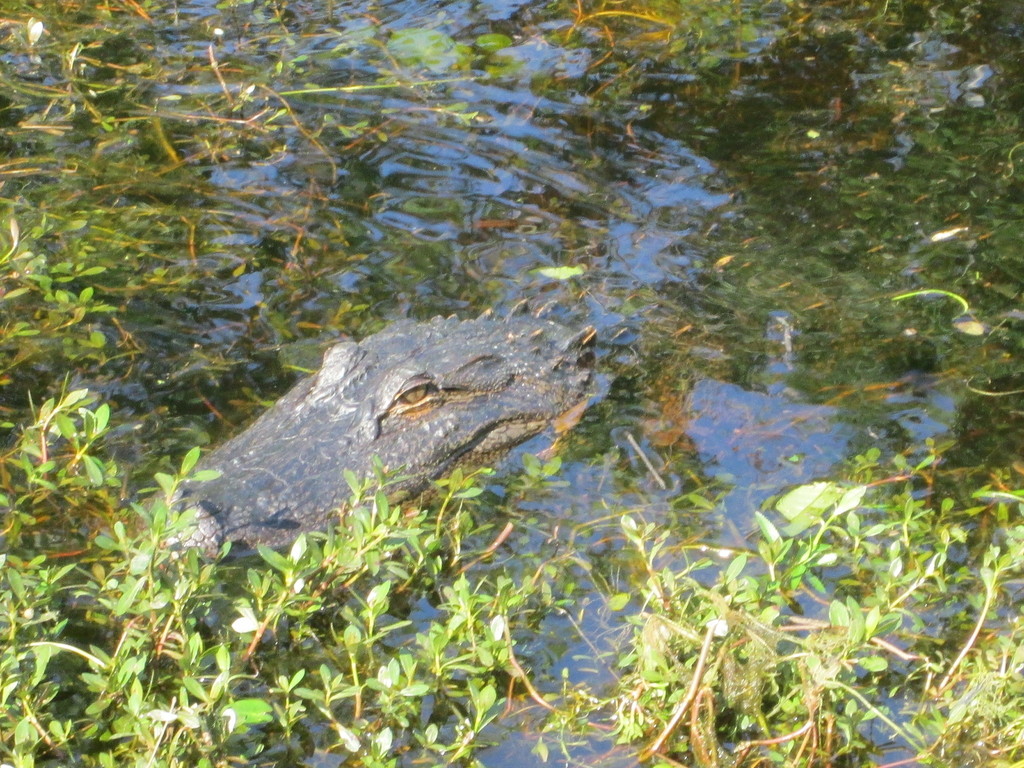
197,198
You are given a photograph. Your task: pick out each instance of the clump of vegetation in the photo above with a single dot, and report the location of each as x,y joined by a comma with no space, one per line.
866,622
139,654
822,642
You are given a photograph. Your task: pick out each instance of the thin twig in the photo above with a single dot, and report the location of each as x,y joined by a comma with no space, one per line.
647,462
521,673
220,78
778,739
982,615
498,541
682,706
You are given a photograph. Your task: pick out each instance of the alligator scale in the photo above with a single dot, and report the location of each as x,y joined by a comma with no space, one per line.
423,397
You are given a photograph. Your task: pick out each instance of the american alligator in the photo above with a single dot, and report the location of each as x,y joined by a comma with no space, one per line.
422,397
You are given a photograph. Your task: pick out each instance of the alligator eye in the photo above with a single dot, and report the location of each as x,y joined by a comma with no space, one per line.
416,394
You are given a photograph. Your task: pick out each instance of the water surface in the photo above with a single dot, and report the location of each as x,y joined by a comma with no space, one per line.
733,212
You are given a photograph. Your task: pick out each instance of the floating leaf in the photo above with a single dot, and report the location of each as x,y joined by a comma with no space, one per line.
970,326
559,273
428,48
493,42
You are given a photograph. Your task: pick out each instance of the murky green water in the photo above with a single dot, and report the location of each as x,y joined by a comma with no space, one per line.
734,211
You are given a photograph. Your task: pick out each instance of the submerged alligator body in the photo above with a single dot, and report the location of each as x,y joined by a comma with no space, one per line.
422,397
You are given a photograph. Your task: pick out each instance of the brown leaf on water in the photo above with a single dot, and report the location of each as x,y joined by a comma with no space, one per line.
570,418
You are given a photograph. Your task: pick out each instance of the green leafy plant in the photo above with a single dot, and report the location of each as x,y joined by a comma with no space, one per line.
794,652
141,652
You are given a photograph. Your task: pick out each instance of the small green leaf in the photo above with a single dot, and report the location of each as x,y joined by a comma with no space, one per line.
874,663
65,426
871,621
427,48
73,398
619,601
189,461
140,562
485,698
735,568
850,500
298,548
245,713
383,740
490,43
352,636
195,688
205,474
275,560
348,738
101,417
94,469
806,505
415,690
838,614
222,655
768,530
166,482
558,273
378,596
541,750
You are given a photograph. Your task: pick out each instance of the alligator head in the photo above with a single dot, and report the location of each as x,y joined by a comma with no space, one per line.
422,398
